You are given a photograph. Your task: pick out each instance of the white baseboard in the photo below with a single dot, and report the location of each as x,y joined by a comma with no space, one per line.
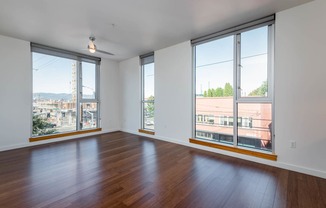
29,144
277,164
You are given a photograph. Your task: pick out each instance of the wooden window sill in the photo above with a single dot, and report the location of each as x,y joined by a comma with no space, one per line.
59,135
146,131
268,156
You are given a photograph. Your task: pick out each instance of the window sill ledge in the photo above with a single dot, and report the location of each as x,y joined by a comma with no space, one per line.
53,136
146,131
267,156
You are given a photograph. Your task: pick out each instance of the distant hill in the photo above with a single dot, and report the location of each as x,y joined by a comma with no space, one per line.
56,96
52,96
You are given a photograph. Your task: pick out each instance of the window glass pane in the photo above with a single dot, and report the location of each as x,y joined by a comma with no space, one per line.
54,94
215,75
148,93
148,115
214,90
88,115
148,76
256,129
214,52
253,70
89,79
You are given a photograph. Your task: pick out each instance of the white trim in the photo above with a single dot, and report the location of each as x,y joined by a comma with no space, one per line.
235,30
30,144
277,164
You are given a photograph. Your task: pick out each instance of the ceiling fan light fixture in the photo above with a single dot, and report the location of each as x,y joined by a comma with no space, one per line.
92,49
91,46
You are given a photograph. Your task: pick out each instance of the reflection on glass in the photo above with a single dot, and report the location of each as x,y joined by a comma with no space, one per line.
88,115
89,78
254,63
54,94
255,127
214,90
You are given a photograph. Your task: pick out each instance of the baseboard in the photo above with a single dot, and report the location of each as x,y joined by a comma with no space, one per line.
30,144
277,164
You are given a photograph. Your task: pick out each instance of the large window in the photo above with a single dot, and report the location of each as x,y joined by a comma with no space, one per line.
233,87
65,91
147,89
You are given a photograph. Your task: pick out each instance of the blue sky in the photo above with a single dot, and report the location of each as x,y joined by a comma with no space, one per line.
54,74
214,61
214,67
148,80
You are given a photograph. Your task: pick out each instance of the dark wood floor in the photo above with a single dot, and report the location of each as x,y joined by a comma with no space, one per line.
125,170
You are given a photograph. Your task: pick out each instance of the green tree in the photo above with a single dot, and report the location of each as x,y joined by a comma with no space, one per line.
210,93
261,90
41,126
219,92
205,93
228,90
150,106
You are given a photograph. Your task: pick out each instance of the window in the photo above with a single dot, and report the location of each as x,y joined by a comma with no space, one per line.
233,82
147,89
65,91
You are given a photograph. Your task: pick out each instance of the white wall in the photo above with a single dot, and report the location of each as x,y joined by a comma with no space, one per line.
300,92
130,94
300,98
15,92
110,96
16,95
173,92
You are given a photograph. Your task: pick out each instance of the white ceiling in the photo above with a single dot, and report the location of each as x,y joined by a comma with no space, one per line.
127,28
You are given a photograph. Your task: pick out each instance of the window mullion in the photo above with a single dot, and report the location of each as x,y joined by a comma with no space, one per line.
97,95
237,90
79,94
270,60
142,98
271,78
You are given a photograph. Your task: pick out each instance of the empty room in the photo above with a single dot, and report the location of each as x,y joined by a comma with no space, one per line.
148,103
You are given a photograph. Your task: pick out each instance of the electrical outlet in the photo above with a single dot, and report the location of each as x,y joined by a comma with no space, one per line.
293,144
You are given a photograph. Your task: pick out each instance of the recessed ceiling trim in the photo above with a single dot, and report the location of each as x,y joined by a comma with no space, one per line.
234,30
39,48
147,58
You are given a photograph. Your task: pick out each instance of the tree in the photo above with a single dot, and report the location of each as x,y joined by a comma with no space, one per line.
219,92
228,90
41,126
210,93
150,106
205,93
260,91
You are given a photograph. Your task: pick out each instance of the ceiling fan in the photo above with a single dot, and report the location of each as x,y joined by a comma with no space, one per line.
92,47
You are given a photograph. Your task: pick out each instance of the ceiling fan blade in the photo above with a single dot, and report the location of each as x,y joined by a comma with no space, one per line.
108,53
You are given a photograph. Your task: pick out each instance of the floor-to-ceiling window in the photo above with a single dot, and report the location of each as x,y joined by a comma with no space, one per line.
233,86
147,92
65,91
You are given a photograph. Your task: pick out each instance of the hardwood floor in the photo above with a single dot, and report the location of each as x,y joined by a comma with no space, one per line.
125,170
